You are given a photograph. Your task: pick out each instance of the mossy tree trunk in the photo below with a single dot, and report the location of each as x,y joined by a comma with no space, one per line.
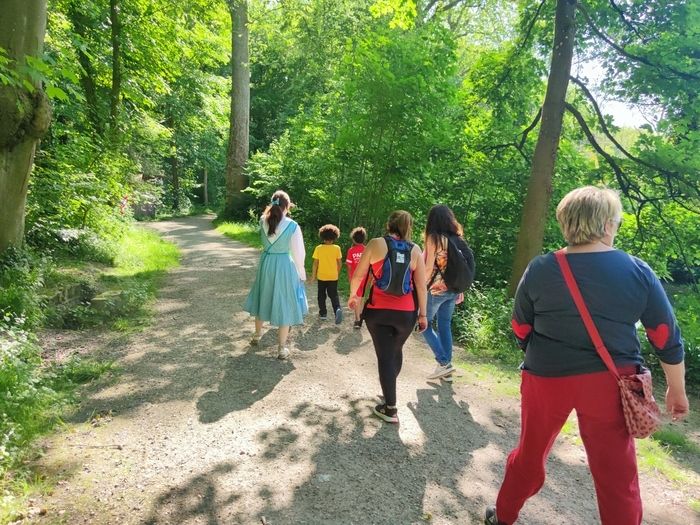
25,114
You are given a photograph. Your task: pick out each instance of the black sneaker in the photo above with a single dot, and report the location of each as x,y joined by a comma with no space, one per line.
387,414
490,517
339,316
357,324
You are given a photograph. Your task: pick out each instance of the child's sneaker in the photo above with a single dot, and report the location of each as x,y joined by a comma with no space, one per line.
447,379
339,316
357,324
387,414
323,317
283,352
255,340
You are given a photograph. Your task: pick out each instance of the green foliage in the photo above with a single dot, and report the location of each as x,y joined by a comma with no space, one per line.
391,121
482,325
26,403
31,394
686,305
22,275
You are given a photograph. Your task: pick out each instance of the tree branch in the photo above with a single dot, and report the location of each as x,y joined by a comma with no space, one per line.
668,175
637,58
523,137
626,185
624,18
522,44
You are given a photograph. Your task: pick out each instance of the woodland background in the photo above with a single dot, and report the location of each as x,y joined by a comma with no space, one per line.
356,108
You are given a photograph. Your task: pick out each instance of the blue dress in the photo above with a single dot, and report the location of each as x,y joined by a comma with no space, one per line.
278,295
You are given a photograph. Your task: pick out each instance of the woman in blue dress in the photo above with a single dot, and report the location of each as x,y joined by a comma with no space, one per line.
278,295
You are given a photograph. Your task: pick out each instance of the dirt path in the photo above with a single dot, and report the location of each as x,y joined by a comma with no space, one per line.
201,428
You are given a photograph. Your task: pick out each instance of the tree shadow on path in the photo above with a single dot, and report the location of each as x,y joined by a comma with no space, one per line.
247,378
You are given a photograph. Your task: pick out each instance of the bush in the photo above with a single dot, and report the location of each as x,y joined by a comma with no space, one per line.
22,275
482,325
26,403
74,243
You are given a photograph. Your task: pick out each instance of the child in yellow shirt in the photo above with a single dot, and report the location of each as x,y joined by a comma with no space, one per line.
328,260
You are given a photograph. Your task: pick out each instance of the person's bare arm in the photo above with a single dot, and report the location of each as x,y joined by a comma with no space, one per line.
419,281
371,253
429,256
676,399
314,270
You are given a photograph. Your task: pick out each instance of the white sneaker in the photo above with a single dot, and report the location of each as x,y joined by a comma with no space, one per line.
442,371
255,340
283,353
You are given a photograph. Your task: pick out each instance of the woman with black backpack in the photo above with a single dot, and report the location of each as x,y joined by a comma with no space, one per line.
441,225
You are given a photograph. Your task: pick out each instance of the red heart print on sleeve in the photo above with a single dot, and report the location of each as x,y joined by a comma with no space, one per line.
658,336
521,330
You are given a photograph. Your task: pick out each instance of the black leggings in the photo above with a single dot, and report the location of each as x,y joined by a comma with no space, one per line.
389,330
331,288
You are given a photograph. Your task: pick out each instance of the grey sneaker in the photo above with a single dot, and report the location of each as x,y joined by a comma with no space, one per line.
442,371
283,353
339,316
490,517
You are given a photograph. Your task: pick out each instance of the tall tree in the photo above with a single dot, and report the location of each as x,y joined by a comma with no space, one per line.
115,92
237,156
24,112
539,189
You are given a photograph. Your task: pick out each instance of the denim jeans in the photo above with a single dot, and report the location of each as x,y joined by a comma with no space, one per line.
440,307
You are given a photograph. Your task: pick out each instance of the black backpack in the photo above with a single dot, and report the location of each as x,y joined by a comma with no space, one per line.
396,269
459,272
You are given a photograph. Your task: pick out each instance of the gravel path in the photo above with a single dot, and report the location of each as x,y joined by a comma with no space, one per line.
201,428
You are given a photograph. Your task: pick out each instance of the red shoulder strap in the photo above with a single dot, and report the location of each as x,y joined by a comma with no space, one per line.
585,314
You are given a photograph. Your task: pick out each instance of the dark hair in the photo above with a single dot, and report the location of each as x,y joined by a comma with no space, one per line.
273,214
400,223
441,221
358,235
328,232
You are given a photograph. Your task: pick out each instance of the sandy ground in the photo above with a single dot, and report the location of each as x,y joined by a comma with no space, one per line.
201,428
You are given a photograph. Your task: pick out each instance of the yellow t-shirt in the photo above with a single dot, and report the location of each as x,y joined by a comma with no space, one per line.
327,255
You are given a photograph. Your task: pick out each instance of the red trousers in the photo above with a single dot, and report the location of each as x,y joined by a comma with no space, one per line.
546,405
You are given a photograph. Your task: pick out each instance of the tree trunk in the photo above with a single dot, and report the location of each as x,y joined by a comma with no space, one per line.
176,179
539,189
237,155
25,116
206,187
115,91
87,76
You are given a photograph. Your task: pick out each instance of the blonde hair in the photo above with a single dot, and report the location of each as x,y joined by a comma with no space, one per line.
583,213
400,223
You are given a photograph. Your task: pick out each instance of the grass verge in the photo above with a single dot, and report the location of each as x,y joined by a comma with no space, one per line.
244,232
35,393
